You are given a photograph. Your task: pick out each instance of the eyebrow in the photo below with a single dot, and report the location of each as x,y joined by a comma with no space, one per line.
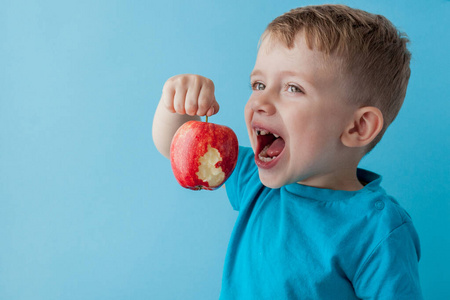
303,76
255,72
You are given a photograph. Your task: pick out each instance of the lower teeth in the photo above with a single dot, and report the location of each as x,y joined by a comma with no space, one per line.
263,155
266,159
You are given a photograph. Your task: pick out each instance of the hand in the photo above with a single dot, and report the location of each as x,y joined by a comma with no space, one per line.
190,94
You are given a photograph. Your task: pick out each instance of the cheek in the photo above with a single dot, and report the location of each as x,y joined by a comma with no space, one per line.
317,141
308,133
316,123
248,108
248,114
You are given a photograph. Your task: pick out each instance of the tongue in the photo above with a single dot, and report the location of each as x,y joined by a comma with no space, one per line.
276,147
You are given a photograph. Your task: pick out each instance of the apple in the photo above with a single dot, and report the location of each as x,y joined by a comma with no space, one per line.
203,155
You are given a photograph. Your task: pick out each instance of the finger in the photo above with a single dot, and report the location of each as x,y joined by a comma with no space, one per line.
178,101
191,100
206,99
214,109
167,96
210,111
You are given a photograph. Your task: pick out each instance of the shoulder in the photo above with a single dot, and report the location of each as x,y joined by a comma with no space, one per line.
376,214
382,208
387,243
387,262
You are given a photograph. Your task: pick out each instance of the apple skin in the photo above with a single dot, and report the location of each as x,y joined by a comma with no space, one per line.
191,142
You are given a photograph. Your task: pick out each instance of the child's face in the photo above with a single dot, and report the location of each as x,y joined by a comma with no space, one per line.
299,97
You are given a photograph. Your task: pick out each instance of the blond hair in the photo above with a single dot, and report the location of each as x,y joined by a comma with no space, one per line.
373,55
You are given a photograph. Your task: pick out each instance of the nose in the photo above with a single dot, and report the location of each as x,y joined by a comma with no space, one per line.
262,103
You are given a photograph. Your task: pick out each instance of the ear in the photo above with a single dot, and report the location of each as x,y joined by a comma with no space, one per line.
366,124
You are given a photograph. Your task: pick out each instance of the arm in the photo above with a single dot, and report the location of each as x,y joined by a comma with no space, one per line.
184,98
391,271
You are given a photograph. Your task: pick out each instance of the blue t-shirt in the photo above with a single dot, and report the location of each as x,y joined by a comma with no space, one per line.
301,242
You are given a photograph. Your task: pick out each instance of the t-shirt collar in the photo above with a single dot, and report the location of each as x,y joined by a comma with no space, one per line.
372,182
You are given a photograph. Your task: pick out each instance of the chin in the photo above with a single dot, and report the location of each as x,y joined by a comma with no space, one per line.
270,183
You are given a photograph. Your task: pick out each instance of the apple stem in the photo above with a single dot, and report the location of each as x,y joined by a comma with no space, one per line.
206,119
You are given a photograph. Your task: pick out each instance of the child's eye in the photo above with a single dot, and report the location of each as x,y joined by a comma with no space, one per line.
258,86
293,89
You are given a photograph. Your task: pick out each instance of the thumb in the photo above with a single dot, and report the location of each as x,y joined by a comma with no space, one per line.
214,109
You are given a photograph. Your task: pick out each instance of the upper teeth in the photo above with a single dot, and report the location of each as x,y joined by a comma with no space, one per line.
264,132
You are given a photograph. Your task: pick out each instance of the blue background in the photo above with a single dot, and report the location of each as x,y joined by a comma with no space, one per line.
90,210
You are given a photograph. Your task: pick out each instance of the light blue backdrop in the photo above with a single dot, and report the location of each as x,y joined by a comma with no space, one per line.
90,210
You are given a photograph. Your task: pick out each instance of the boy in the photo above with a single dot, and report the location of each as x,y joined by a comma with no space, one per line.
327,82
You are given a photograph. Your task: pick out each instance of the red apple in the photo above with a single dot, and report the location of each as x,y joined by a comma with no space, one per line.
203,155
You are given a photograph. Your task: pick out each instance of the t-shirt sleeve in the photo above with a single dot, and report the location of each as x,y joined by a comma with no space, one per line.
244,171
391,271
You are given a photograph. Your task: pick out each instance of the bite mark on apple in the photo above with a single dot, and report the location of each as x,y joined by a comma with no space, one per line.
207,171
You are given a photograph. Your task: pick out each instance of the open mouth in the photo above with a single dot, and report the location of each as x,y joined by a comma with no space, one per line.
270,145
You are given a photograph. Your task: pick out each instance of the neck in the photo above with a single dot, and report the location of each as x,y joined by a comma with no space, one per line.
335,181
342,177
